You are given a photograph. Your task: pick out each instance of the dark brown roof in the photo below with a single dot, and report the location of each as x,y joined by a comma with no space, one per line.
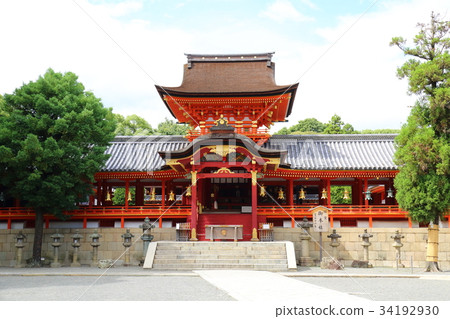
224,74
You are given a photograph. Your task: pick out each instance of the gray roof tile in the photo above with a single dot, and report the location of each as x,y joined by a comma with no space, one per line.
308,152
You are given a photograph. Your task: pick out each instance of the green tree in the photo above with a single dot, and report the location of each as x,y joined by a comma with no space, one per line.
52,140
337,195
132,125
169,127
309,125
337,126
119,196
423,145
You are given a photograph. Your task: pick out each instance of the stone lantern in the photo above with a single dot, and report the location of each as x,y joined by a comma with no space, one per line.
397,237
76,243
127,244
305,237
146,234
95,242
365,243
20,243
333,263
334,242
56,243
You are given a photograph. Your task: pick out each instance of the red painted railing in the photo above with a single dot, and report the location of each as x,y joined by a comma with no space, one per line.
86,213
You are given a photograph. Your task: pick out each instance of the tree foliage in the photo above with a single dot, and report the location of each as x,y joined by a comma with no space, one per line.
423,145
314,126
132,125
169,127
337,126
119,196
337,195
306,126
53,137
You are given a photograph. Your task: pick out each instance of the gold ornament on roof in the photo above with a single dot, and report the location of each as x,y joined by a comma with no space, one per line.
221,121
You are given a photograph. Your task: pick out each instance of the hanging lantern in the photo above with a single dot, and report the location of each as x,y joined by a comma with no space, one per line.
171,196
324,194
262,191
302,194
108,196
188,191
129,196
280,194
153,195
368,194
346,195
390,193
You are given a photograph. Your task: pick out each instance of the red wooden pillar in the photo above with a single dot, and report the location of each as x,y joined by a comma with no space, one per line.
290,192
366,202
139,193
127,190
99,193
85,222
104,190
328,193
194,206
9,223
163,193
254,207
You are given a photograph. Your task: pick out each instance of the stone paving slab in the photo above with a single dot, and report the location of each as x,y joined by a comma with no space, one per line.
264,286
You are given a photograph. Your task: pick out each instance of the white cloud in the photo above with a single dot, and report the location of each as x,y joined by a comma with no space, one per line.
283,10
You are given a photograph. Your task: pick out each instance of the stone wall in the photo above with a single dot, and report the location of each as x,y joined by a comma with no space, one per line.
381,252
110,245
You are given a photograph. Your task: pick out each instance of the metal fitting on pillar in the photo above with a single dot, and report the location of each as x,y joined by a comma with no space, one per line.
20,243
56,243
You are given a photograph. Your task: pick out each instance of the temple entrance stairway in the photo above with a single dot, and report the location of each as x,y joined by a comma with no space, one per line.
270,256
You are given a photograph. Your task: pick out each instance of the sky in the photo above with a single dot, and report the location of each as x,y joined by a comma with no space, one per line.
338,51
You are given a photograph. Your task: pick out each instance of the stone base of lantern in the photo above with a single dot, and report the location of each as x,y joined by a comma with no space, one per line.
330,263
361,264
306,262
55,265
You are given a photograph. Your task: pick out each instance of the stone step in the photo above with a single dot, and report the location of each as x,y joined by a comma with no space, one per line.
269,267
220,261
221,255
159,256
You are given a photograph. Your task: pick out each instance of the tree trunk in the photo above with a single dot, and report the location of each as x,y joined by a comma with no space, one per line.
37,243
432,248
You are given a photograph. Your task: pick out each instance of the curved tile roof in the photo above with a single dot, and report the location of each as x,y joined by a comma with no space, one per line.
337,152
306,152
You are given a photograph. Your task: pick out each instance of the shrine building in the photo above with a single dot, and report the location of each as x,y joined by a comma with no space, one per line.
229,170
